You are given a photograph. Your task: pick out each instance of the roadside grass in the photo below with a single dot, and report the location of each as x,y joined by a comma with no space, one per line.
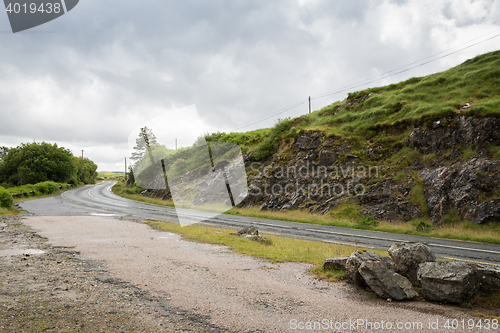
8,211
485,301
134,193
281,249
347,216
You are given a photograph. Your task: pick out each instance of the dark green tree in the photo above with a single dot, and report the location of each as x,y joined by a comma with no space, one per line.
3,151
85,170
37,162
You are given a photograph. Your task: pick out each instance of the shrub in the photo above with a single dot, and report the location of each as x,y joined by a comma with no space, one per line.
6,199
367,222
47,187
422,225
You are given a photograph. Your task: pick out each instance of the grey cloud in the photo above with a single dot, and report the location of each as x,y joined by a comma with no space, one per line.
114,63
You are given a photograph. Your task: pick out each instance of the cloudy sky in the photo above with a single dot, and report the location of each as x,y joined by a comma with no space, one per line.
88,79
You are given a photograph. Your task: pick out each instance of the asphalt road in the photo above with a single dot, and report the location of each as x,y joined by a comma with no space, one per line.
98,200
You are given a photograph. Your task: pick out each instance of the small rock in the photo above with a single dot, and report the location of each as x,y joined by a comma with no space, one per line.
335,263
251,230
257,238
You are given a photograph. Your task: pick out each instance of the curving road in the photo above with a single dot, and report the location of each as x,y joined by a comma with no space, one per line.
98,200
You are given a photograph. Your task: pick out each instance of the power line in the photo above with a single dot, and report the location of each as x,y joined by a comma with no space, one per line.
386,75
376,78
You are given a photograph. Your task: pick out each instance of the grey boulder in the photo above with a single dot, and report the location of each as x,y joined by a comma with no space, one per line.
408,256
448,281
357,258
385,282
335,263
488,278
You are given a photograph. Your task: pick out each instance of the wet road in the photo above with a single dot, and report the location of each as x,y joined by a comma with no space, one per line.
98,200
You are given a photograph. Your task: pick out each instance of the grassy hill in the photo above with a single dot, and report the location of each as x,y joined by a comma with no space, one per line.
389,115
434,141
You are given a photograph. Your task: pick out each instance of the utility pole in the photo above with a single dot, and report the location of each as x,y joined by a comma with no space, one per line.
175,143
82,154
309,104
125,168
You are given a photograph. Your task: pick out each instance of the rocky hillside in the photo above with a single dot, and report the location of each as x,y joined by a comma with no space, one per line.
424,149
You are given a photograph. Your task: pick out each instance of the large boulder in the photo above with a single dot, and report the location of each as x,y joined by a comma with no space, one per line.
408,256
488,278
448,281
385,282
357,258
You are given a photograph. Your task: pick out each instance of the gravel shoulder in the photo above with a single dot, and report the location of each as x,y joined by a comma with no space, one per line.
61,291
110,274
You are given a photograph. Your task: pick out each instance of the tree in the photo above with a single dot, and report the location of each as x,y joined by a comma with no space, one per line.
145,140
3,151
37,162
85,170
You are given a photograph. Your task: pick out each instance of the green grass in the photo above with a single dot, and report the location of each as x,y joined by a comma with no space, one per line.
399,107
108,175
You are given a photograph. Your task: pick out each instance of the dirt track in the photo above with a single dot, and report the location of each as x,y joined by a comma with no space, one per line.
126,275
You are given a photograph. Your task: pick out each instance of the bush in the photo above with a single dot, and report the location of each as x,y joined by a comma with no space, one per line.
6,199
367,222
422,225
47,187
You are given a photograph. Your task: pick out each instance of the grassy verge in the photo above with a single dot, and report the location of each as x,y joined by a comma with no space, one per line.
461,231
134,193
8,211
281,249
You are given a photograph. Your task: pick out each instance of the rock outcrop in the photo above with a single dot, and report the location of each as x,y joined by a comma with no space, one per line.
408,256
451,132
385,282
460,189
448,281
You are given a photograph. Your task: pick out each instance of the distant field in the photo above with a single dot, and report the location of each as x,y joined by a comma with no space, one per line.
110,175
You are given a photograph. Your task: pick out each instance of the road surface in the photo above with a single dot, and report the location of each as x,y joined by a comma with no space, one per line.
98,200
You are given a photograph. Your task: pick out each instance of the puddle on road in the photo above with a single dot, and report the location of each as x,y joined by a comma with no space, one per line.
169,235
20,252
102,214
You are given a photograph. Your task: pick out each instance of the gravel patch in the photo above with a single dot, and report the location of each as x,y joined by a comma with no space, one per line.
46,288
